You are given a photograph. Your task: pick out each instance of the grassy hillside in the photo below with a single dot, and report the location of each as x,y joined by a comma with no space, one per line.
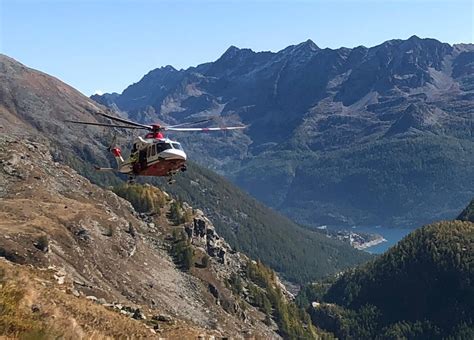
299,254
34,306
421,288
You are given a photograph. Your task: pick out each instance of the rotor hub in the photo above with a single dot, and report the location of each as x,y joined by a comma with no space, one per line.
156,127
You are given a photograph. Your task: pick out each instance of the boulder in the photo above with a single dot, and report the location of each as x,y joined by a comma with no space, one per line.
138,315
162,318
199,227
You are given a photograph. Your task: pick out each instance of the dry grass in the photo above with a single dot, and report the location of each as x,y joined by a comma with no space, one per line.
33,307
15,320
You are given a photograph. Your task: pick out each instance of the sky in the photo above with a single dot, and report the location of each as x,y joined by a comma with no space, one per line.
106,45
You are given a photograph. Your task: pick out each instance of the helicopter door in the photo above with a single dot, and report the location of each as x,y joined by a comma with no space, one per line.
142,158
153,150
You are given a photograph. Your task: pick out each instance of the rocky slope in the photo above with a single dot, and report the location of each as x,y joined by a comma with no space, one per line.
86,243
35,105
362,135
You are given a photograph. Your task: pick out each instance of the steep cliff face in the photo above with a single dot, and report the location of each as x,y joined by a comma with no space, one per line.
344,136
98,248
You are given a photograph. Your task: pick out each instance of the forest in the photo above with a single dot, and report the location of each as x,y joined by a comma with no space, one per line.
421,288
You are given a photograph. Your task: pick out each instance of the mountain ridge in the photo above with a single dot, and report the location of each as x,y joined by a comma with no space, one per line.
302,104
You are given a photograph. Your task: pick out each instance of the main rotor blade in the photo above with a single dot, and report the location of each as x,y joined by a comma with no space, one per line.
126,121
190,123
205,129
108,125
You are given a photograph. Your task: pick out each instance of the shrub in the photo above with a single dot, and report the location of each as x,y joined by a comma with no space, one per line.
181,250
42,243
144,198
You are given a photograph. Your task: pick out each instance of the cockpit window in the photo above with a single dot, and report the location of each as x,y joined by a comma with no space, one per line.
162,147
177,146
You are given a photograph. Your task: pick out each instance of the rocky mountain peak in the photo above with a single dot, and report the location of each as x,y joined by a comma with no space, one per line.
168,68
414,38
231,52
234,55
304,49
309,44
161,72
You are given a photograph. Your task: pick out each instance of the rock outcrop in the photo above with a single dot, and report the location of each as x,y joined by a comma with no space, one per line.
203,234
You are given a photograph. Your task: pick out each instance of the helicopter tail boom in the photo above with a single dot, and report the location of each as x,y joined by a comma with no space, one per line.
98,168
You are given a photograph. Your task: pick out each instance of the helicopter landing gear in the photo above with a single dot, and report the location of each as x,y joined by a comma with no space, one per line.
170,177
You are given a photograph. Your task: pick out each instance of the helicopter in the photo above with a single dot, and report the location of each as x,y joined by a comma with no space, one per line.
153,154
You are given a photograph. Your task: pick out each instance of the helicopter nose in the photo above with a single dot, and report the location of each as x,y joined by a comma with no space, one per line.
173,154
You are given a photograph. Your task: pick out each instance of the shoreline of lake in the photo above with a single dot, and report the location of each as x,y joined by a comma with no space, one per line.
388,237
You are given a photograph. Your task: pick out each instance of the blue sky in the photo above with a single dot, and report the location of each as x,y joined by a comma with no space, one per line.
108,44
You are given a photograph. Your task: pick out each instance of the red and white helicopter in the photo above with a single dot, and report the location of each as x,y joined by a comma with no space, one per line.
153,154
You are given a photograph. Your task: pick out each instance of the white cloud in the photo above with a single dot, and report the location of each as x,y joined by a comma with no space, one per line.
99,92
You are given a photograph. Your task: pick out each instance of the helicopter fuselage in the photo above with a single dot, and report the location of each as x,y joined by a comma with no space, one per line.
153,157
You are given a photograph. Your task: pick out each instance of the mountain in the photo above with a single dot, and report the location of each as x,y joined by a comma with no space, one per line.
420,289
380,135
35,106
79,261
468,213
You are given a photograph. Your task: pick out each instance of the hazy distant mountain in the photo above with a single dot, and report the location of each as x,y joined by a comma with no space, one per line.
380,135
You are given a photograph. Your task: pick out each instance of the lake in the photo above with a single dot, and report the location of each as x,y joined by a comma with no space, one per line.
392,235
